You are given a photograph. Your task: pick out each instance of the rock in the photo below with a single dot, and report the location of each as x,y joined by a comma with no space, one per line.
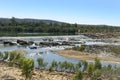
22,42
49,44
9,43
30,42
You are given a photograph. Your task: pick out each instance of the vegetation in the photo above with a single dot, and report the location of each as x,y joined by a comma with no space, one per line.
27,68
82,70
81,48
41,63
16,27
13,58
79,75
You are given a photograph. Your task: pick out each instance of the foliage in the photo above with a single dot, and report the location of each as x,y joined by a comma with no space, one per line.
85,65
14,27
90,69
54,64
1,55
6,54
81,48
115,49
41,63
98,64
78,65
96,75
79,75
27,68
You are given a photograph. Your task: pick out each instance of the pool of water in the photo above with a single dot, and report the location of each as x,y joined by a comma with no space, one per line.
46,53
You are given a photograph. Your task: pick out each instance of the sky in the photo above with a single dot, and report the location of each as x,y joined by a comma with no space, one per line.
98,12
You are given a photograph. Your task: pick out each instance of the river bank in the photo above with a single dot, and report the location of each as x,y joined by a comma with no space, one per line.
14,73
86,56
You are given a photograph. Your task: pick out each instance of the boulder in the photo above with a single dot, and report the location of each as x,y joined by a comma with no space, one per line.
22,42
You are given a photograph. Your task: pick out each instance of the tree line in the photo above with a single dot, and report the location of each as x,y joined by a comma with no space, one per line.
15,26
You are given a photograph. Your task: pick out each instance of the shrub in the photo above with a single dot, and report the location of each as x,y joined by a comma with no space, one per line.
79,75
5,55
98,64
27,68
81,48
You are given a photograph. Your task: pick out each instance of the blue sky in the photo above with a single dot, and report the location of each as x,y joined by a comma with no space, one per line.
73,11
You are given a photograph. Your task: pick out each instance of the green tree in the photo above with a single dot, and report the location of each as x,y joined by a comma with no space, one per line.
79,75
96,75
85,64
41,63
27,68
97,64
5,55
78,65
90,69
54,64
1,55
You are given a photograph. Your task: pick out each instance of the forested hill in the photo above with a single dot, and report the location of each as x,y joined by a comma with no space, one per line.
8,20
16,27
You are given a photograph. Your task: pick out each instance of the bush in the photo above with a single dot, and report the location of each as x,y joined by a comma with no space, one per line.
81,48
1,55
79,75
41,63
5,55
98,64
27,68
90,69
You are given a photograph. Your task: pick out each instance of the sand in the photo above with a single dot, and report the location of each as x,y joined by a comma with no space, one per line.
85,56
15,73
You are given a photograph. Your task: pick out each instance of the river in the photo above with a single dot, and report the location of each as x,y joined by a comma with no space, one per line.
47,52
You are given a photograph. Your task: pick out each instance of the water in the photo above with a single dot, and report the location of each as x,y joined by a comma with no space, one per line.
48,54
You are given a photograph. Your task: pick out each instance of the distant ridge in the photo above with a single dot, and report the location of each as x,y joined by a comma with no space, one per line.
8,20
30,20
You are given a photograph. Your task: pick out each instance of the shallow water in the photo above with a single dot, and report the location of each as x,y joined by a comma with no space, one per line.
48,55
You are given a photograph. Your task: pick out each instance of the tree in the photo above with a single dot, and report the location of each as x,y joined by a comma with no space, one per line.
54,64
78,65
98,64
12,56
5,55
41,63
27,68
13,21
96,75
85,64
90,69
79,75
1,55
